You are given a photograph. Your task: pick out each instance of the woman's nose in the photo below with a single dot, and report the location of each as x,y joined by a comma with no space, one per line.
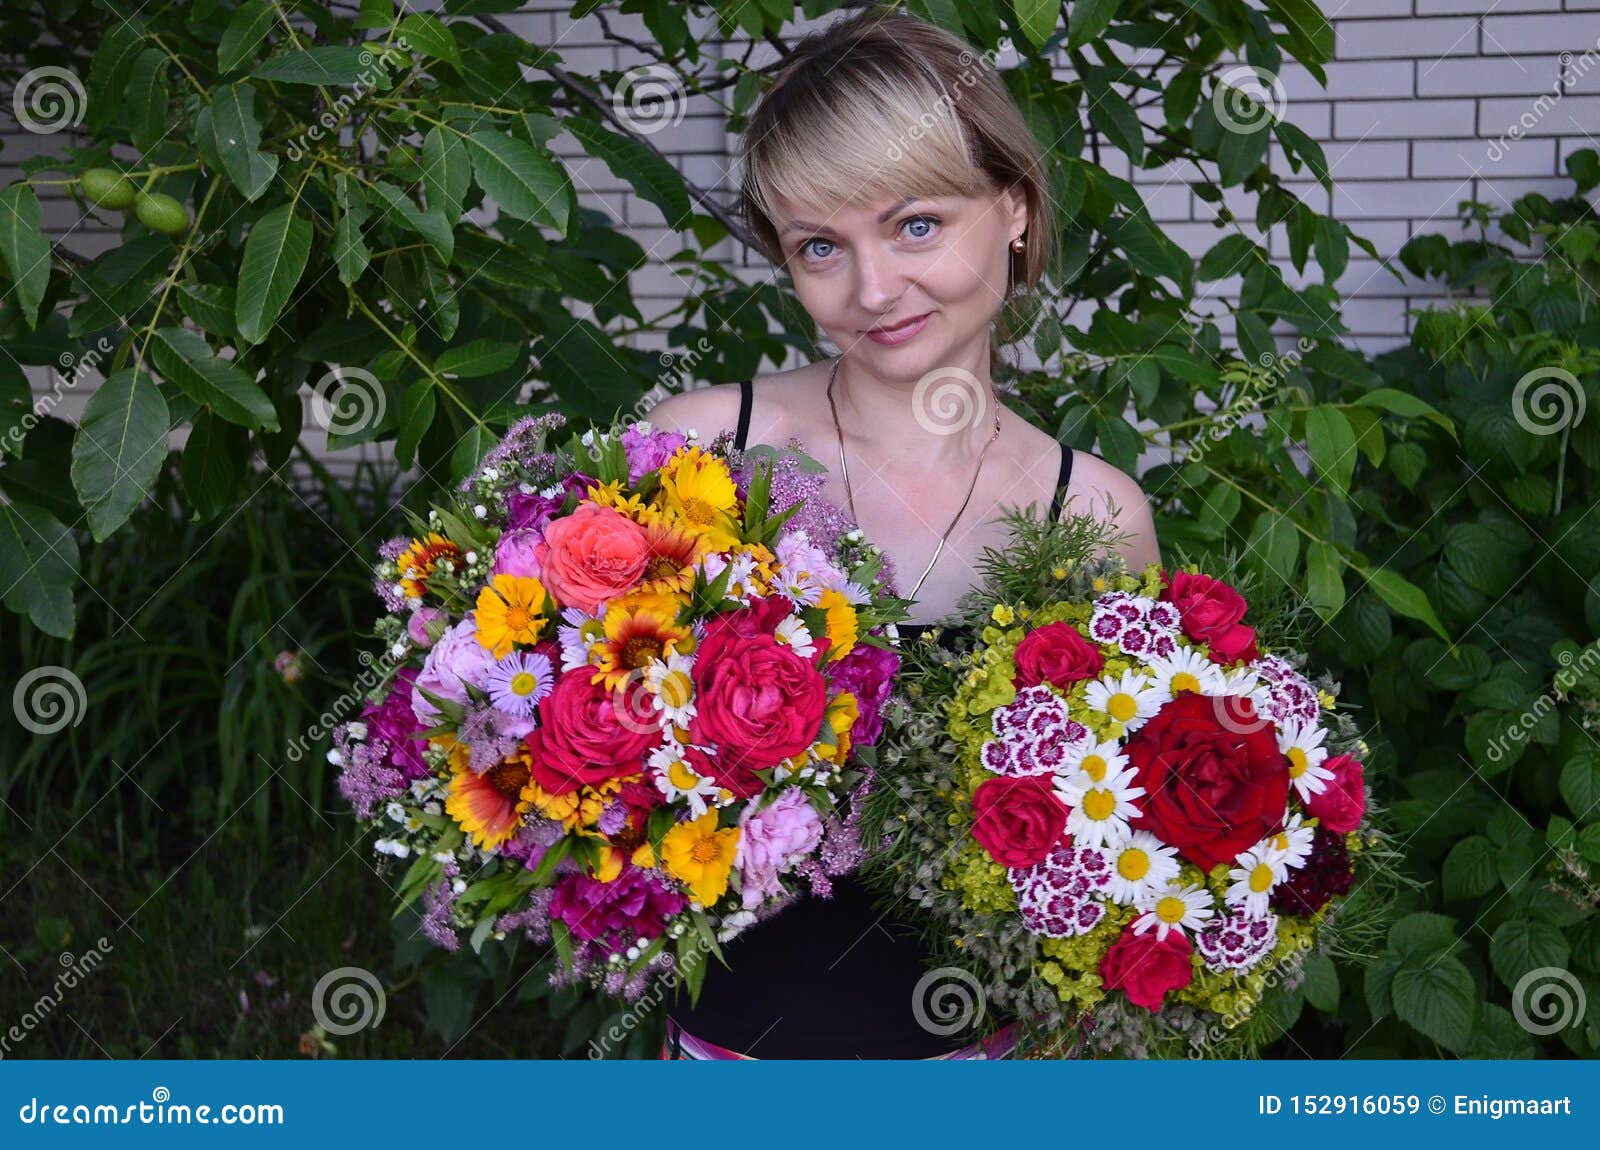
878,280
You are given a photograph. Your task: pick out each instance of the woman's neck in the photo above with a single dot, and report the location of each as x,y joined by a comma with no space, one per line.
945,416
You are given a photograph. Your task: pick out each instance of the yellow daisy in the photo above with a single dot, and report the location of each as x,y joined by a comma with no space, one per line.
841,623
510,610
701,857
697,489
843,711
640,630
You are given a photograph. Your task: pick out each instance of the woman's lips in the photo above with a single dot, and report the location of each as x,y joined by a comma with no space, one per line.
899,333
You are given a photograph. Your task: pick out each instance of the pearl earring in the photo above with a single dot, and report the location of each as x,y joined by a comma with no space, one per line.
1018,244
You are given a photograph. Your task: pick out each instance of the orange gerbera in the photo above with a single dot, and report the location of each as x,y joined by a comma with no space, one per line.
419,561
641,627
673,552
490,806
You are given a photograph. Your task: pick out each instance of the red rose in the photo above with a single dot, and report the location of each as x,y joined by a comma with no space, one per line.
757,702
581,740
761,617
1344,800
1056,653
1018,820
1212,788
1209,611
1145,967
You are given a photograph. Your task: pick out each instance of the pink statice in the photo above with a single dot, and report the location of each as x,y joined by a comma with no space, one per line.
867,672
648,451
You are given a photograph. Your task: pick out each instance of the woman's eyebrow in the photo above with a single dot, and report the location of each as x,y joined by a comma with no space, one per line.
806,225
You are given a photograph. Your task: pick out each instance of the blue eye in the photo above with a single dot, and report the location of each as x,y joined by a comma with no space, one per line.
931,221
807,249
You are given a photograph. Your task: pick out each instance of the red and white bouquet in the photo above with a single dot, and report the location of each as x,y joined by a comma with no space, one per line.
625,684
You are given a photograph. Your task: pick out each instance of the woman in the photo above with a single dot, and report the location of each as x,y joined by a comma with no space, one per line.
888,171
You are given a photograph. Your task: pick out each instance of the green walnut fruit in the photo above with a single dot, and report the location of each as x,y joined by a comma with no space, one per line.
161,213
108,189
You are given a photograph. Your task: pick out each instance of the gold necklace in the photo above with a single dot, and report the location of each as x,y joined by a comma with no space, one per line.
844,474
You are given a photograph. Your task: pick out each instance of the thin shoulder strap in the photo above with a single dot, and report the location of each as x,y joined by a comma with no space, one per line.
1062,481
746,394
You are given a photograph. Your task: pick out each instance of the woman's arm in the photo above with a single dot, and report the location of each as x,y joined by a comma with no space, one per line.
709,410
1102,490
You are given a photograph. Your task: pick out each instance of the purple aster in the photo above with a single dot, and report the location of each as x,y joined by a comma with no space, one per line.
517,682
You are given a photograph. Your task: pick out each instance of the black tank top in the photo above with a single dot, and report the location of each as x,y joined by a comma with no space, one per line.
823,978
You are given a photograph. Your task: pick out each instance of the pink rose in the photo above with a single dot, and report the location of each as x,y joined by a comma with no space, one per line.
517,553
427,625
773,838
1056,653
592,556
1344,800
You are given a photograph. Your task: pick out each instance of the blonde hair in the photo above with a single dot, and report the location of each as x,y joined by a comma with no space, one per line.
885,105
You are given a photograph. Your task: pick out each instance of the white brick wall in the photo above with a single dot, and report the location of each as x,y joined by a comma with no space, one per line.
1421,98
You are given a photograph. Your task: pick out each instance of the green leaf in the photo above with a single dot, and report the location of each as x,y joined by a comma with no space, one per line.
431,225
187,361
526,183
246,30
469,450
650,174
1404,403
1469,869
1307,28
1403,597
210,306
275,255
1273,547
350,253
119,449
38,566
1113,115
1228,257
417,407
1333,248
24,249
1325,579
1580,784
1241,151
1297,144
1521,945
478,358
426,33
1087,20
147,98
214,459
446,172
1332,442
236,136
1437,999
1037,19
1321,983
334,65
1584,167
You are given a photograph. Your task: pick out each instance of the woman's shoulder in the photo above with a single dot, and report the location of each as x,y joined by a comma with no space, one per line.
715,407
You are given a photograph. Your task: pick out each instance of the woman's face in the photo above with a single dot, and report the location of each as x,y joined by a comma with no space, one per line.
904,287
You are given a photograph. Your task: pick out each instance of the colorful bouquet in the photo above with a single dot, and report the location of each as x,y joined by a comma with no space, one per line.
1129,820
626,684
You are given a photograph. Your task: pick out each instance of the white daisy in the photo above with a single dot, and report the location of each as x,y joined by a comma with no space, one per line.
1301,743
794,632
676,779
577,632
1131,700
1142,864
1091,760
1186,669
1100,808
1254,877
1174,907
1291,845
798,586
672,687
